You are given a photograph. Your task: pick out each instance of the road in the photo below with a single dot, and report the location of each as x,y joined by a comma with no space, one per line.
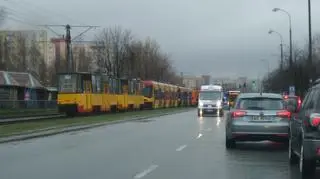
179,146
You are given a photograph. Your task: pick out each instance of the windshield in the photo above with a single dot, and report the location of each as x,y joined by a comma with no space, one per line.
260,104
67,83
147,91
210,95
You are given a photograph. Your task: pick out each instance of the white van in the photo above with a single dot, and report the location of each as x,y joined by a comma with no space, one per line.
210,100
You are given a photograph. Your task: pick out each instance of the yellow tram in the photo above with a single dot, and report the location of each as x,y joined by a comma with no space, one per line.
162,95
93,93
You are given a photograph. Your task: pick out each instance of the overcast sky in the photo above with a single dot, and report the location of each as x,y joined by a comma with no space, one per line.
217,37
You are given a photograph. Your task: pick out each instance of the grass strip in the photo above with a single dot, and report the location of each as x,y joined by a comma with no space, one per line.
19,128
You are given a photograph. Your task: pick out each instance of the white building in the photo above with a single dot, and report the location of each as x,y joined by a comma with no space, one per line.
192,81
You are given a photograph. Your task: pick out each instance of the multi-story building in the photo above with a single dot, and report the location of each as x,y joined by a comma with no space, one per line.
206,79
241,81
192,81
82,56
50,54
59,45
227,83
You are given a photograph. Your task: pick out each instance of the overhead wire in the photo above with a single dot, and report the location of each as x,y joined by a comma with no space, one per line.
47,12
15,16
34,9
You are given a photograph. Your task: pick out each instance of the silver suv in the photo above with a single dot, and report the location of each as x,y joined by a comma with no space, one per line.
257,117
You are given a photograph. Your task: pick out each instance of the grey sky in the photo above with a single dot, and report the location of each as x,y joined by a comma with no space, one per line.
217,37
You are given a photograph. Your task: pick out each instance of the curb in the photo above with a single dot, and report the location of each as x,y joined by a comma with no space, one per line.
27,116
54,131
31,118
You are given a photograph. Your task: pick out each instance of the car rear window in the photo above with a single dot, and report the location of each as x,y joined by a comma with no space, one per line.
260,103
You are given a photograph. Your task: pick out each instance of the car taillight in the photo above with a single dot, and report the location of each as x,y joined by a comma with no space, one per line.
236,114
284,114
315,121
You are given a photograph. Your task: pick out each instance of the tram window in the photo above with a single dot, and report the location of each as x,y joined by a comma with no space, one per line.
94,84
115,86
132,87
111,87
68,83
147,91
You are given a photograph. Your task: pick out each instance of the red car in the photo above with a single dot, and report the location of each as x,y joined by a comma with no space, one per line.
295,100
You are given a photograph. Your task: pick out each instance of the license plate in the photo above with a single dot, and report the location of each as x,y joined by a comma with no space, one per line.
210,110
257,118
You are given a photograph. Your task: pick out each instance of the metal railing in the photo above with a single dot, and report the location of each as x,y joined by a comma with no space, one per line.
27,104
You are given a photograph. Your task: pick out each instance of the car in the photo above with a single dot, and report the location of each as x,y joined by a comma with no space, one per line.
210,100
294,100
304,138
257,117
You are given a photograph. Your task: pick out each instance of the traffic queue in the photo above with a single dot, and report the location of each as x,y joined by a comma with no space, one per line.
284,118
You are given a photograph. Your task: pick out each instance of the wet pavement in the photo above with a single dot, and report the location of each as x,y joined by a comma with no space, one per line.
173,147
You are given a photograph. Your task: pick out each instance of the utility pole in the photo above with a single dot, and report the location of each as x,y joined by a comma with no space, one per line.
69,55
68,40
181,77
281,53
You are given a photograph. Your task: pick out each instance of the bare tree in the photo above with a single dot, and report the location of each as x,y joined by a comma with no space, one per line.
119,54
23,64
299,74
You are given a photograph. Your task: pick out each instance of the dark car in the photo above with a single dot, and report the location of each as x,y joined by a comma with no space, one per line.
304,138
294,101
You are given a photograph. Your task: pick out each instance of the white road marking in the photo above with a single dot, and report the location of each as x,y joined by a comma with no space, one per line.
181,148
198,137
145,172
218,123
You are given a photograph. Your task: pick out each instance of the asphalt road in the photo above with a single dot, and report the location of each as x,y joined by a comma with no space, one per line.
179,146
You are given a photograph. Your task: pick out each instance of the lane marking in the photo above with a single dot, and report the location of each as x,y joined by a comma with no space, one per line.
145,172
181,148
198,137
218,123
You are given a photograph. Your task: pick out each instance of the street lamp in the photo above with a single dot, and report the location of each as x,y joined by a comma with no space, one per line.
290,30
310,33
281,46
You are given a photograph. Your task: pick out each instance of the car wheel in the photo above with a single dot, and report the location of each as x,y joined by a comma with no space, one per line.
293,158
307,167
230,143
